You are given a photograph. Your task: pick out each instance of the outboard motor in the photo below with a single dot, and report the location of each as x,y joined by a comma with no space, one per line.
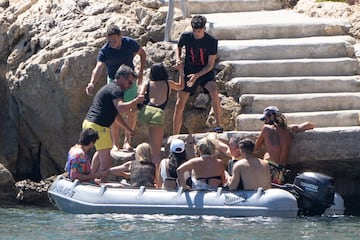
315,193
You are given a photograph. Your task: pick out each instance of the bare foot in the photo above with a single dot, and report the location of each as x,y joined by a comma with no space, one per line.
114,148
127,147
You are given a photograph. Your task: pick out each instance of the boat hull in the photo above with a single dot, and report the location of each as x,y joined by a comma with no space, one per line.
79,198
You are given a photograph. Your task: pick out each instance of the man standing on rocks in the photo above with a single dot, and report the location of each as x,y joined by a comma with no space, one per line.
119,50
200,56
106,108
277,137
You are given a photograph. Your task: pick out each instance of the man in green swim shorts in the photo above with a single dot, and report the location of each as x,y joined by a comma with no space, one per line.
119,50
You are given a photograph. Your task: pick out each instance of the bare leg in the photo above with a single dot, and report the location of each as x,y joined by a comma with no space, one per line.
105,162
115,132
156,135
131,121
95,163
181,100
214,94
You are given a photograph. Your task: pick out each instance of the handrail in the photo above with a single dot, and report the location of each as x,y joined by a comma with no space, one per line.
170,17
184,8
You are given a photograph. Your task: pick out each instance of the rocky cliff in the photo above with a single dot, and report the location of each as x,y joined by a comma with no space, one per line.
48,49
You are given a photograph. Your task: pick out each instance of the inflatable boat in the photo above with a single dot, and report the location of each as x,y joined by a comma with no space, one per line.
84,198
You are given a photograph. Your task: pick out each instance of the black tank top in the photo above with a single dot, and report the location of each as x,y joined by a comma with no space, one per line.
142,174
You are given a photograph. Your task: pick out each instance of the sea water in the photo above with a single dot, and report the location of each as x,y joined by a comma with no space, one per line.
45,224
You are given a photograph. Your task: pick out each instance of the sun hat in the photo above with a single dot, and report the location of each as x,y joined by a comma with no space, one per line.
268,111
177,146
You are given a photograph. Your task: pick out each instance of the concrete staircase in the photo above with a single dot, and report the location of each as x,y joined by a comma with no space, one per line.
305,66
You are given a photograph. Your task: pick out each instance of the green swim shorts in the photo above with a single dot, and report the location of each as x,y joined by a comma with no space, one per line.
129,93
150,115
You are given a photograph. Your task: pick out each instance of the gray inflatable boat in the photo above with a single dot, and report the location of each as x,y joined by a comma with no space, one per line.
83,198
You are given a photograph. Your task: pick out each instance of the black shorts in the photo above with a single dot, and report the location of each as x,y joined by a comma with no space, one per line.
202,81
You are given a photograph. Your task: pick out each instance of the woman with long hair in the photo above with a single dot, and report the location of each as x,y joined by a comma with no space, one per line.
207,170
142,169
168,166
152,113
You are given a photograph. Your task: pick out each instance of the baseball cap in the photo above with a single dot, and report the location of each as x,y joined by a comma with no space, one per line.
268,111
177,146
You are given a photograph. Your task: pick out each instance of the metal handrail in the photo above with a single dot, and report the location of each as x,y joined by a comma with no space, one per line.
170,17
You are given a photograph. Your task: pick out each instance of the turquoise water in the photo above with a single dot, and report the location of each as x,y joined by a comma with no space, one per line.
35,223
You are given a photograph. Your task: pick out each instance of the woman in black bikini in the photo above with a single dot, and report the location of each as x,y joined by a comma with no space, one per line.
208,171
168,166
152,113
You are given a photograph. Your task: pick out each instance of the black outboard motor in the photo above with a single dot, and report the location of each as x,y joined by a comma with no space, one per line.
315,193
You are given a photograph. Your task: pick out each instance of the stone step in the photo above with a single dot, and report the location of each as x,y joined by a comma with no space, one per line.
293,67
292,85
342,118
306,147
308,102
211,6
271,24
310,47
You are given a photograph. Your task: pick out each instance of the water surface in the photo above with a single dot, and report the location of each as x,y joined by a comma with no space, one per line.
44,224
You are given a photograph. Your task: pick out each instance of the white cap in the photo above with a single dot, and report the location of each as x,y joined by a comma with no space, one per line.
177,146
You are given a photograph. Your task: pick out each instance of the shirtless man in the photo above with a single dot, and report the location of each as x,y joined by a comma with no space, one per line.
249,173
277,137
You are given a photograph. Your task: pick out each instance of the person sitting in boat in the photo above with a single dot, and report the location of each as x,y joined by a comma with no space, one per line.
78,164
249,173
168,166
232,150
207,171
142,169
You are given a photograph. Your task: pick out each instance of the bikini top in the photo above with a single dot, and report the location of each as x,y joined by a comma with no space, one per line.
147,97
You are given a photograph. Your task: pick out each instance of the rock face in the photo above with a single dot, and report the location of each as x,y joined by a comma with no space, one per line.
7,186
48,50
333,9
34,193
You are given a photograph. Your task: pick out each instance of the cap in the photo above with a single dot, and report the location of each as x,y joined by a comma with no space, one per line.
177,146
269,110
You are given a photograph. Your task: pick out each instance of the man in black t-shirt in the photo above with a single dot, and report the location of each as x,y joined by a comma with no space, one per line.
105,110
119,50
200,56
